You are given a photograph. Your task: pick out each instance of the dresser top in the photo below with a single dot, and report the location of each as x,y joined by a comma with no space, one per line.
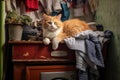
26,42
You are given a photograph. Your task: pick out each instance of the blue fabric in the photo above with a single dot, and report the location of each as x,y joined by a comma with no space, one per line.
93,74
108,34
54,13
89,74
65,12
82,75
93,52
93,48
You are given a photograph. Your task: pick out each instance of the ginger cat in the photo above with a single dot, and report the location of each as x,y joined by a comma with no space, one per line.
55,31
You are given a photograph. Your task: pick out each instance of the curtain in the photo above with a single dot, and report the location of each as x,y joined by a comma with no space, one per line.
2,35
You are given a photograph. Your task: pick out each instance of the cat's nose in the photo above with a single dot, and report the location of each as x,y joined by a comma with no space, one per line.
50,22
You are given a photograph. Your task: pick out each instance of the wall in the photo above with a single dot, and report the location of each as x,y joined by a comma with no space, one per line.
108,14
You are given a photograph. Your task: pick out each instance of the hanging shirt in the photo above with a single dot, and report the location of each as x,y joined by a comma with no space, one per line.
31,5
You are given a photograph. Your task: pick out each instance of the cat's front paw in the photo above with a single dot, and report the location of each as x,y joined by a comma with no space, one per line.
55,44
46,41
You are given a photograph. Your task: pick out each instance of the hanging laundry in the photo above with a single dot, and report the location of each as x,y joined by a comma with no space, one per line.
74,3
10,5
53,6
35,15
31,5
93,5
78,8
65,11
86,8
57,6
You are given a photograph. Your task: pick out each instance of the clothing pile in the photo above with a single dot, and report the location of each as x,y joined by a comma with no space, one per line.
88,49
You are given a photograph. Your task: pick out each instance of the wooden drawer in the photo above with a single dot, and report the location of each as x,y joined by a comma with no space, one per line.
24,51
41,51
28,51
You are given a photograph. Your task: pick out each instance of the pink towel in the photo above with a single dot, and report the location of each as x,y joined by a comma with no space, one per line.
31,5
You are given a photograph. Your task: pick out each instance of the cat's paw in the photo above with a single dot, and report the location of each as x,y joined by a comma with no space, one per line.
46,41
55,44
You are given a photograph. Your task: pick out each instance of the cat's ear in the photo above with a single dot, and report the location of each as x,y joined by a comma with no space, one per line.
45,15
59,16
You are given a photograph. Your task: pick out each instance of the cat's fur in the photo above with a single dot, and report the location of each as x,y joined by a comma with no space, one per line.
55,31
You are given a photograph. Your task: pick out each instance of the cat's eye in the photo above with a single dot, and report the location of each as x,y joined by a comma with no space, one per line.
55,22
49,22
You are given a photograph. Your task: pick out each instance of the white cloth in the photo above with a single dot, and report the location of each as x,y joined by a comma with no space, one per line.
57,5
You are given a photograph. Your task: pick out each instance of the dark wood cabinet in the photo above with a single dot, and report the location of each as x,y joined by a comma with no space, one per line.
32,59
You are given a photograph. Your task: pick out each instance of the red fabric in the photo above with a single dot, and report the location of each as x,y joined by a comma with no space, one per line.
31,5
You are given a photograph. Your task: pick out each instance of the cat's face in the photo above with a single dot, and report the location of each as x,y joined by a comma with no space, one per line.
51,23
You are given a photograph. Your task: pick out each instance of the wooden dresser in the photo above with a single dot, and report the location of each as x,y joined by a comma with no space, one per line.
32,60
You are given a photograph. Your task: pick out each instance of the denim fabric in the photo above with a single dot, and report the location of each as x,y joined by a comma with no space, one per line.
93,74
87,43
82,75
93,48
89,74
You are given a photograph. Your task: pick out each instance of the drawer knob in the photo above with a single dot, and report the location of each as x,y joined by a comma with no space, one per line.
26,54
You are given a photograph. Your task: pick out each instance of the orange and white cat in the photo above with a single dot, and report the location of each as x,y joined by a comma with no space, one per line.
55,31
